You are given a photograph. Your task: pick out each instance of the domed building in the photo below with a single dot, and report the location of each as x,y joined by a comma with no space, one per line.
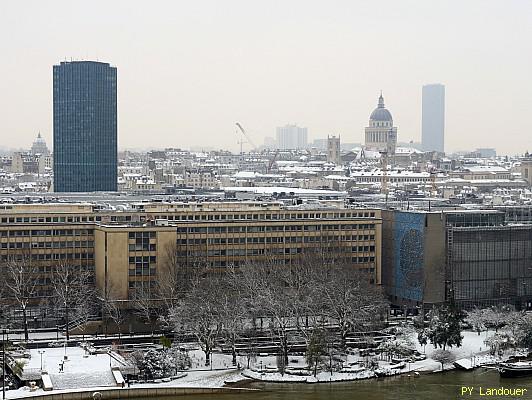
381,135
39,146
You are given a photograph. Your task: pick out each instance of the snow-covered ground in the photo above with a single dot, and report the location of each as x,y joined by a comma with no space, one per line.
95,370
473,348
68,367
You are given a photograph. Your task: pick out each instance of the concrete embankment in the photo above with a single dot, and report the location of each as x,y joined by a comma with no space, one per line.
131,393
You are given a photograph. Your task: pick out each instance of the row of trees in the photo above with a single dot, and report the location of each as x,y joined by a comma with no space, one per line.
512,328
69,290
304,301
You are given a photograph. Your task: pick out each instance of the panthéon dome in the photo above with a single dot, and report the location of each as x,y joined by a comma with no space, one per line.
381,113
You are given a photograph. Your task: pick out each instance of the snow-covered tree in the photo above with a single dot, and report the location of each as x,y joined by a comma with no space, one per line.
500,342
496,317
399,347
443,357
72,293
525,337
350,301
198,313
444,328
477,318
520,326
423,337
232,310
155,364
21,278
266,293
180,358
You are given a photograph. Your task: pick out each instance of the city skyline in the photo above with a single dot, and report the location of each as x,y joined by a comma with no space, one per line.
188,74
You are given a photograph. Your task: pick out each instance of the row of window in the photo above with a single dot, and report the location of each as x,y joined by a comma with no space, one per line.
273,228
142,271
32,220
276,239
47,232
256,252
143,247
142,235
47,245
46,269
55,256
143,259
272,216
283,261
190,217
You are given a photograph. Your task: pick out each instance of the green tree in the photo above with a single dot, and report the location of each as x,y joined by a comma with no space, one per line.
443,357
316,350
445,326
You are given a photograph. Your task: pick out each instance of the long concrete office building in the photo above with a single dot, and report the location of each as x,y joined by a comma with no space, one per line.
127,249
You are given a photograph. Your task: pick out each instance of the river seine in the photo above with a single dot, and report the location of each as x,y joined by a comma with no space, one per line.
446,386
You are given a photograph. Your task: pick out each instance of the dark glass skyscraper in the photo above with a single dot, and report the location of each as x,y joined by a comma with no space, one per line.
85,127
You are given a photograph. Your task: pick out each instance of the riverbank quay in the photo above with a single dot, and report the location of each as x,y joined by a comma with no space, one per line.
140,392
80,366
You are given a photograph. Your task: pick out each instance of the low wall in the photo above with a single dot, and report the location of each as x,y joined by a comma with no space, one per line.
133,393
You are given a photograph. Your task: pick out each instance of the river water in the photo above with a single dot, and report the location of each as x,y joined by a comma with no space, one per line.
440,386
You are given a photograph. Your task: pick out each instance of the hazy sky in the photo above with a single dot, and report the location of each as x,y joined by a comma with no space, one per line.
188,70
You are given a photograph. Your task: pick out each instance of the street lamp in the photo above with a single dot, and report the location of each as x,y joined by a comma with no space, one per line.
3,365
41,352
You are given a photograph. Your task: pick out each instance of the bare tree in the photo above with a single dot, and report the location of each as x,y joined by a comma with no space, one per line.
4,305
350,301
267,293
113,308
144,305
21,283
198,313
232,310
73,293
174,280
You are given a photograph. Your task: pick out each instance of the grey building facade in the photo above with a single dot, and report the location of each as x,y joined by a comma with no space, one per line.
472,256
433,118
85,126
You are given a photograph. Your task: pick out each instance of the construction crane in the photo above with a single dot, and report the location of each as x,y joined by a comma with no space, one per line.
244,134
434,188
384,178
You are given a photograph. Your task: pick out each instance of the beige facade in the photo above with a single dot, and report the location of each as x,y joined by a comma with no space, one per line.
127,250
526,170
333,150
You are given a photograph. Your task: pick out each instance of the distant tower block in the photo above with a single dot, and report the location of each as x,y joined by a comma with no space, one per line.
381,135
433,118
333,150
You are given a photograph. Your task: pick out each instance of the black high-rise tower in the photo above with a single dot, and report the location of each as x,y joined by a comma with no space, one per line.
85,127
